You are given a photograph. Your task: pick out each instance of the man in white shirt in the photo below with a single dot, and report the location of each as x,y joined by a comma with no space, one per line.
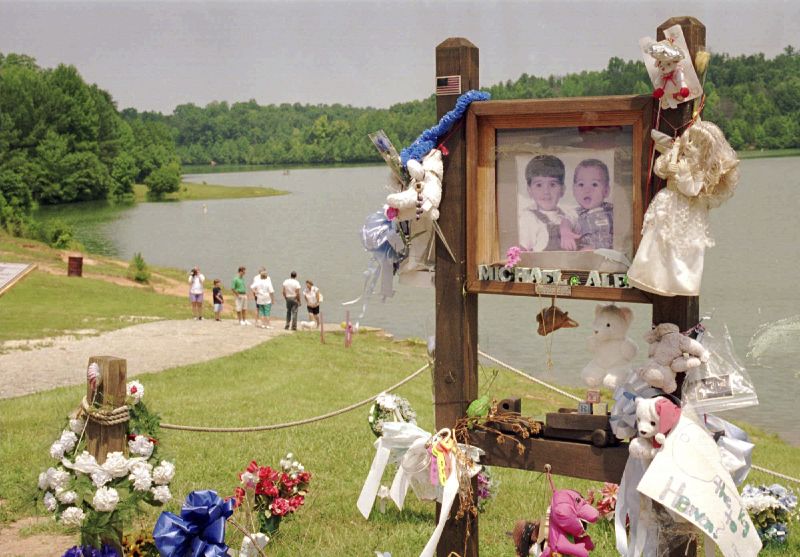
291,293
264,293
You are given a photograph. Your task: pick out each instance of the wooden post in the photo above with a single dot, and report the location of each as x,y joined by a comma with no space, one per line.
684,311
455,371
103,439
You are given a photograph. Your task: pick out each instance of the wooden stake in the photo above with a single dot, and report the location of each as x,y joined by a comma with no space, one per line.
103,439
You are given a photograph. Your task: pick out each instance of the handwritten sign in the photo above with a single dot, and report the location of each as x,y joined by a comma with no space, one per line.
687,477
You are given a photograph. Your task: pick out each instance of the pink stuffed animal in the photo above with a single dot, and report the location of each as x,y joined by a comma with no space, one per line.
670,353
566,535
655,418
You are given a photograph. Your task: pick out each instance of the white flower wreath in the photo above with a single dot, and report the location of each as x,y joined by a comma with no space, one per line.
389,408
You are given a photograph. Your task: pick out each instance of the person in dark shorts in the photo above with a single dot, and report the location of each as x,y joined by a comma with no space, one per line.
313,300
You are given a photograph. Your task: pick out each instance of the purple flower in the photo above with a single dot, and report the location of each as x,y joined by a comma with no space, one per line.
89,551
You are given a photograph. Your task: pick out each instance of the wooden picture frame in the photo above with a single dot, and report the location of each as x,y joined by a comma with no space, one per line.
599,140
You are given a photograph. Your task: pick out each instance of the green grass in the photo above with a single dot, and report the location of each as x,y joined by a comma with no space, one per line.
44,305
195,192
296,377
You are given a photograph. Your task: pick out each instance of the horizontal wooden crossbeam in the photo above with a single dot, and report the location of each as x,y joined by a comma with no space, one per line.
577,460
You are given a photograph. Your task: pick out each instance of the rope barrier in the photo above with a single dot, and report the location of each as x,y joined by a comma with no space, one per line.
776,474
296,422
529,377
116,416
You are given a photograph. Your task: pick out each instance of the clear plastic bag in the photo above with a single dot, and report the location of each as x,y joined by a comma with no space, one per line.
720,384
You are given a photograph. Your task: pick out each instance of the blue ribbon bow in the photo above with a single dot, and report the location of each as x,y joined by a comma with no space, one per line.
200,529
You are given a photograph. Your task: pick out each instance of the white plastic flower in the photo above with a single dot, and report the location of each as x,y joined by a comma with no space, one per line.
57,450
66,497
140,476
141,446
164,473
135,392
249,548
105,499
76,425
50,502
69,439
161,493
72,516
43,481
57,478
116,464
387,401
100,477
84,463
249,479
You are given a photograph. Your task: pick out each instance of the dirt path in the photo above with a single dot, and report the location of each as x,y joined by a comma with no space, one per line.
148,347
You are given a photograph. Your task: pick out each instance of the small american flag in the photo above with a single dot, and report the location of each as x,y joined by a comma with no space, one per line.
448,85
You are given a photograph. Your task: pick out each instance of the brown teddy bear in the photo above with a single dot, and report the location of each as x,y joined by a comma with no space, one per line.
670,353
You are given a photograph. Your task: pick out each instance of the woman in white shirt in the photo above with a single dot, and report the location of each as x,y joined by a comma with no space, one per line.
196,280
313,299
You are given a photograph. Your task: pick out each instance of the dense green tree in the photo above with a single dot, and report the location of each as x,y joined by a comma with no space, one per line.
163,180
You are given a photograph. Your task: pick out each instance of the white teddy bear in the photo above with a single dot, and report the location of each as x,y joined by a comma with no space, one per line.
670,353
612,350
655,418
424,191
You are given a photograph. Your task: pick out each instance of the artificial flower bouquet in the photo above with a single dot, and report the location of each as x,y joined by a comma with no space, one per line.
604,500
389,408
772,509
265,496
95,497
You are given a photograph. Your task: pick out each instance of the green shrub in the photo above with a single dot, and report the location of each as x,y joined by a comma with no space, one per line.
138,270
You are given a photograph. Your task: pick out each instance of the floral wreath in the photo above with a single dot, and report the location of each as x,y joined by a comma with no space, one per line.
390,408
95,497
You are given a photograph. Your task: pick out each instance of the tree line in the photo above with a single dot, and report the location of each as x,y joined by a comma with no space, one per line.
63,140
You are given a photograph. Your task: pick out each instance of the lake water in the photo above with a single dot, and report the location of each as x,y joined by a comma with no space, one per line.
750,282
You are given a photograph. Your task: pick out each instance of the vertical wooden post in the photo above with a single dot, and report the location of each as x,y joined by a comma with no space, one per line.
684,311
455,372
103,439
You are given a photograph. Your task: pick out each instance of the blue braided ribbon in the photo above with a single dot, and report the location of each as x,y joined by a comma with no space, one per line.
430,138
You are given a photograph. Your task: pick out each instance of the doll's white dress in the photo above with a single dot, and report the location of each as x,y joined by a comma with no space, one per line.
675,235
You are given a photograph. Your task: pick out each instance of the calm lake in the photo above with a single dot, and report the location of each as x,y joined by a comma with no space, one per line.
749,284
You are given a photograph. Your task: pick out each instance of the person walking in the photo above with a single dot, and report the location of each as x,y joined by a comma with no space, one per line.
240,296
196,279
265,296
291,293
313,300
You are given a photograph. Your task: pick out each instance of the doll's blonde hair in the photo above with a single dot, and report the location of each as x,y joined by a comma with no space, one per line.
712,160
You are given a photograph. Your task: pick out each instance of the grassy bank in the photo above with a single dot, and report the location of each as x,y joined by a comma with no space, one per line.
296,377
768,153
197,192
48,303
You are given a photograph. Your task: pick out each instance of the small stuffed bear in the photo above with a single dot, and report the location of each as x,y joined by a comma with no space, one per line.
655,418
670,353
612,350
424,191
671,87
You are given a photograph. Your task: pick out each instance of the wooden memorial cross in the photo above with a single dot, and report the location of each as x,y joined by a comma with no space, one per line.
455,372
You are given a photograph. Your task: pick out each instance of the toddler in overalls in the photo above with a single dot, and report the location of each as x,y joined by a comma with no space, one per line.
595,222
540,223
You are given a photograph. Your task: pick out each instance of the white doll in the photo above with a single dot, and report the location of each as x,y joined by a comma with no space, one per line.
700,168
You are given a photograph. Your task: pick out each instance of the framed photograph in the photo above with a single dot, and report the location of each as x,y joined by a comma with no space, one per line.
562,183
